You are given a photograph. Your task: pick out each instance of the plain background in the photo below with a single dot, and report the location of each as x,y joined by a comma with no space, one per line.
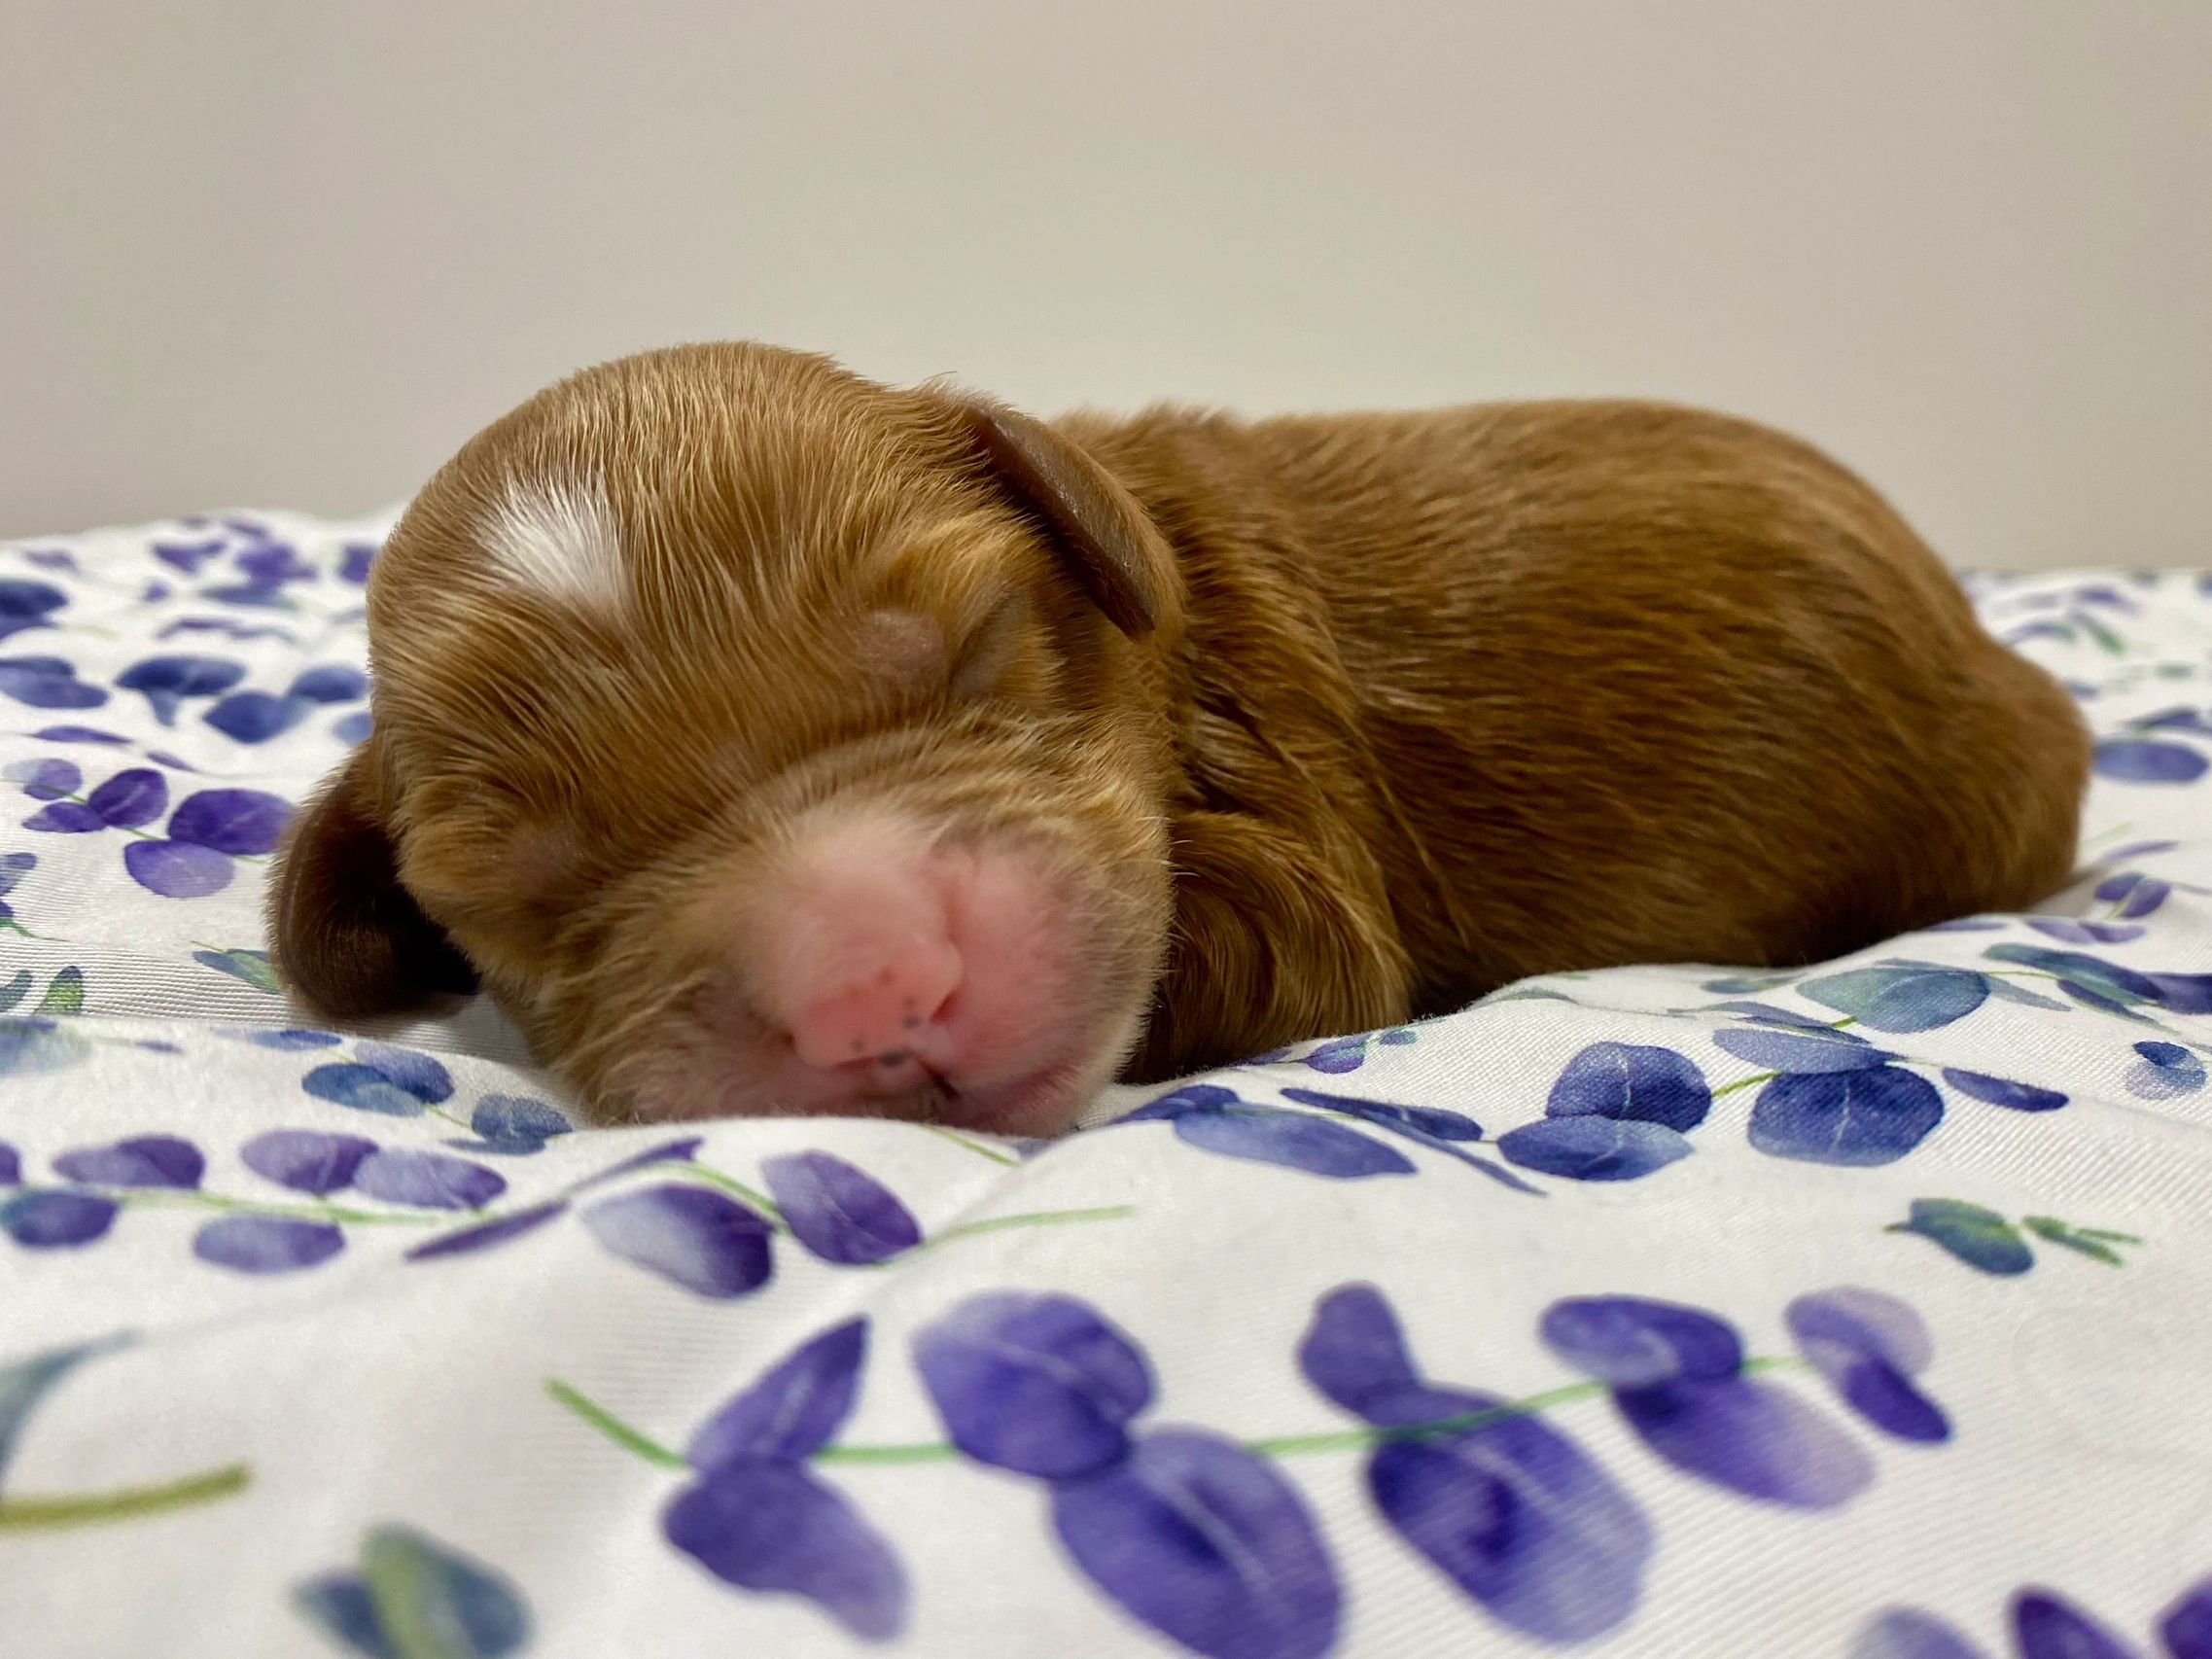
274,252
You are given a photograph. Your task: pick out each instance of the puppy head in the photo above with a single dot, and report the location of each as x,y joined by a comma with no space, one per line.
765,740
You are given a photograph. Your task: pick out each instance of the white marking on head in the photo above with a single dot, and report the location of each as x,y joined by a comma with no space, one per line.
559,540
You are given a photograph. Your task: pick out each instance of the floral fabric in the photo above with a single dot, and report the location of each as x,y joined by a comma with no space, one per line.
1858,1310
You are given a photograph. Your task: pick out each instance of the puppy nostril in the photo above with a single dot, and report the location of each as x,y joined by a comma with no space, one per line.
878,1016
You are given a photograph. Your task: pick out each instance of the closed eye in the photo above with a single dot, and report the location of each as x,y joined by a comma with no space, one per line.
990,650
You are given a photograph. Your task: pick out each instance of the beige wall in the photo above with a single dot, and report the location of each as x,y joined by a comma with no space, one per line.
292,252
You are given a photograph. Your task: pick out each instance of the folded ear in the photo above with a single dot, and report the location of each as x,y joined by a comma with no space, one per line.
345,934
1101,531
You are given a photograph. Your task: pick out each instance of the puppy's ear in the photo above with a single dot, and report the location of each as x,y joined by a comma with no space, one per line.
1102,533
346,937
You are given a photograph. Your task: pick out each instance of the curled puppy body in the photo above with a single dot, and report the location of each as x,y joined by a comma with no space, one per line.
767,740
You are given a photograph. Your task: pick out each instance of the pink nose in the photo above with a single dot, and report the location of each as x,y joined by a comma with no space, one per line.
887,1008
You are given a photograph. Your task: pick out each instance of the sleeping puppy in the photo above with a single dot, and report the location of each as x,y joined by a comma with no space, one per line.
767,740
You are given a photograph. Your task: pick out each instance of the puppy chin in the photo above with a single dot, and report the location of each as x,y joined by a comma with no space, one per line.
697,1075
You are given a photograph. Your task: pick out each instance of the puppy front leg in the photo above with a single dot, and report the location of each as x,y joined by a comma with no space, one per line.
1276,938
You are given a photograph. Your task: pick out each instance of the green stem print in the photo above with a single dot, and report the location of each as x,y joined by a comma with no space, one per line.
123,1503
1987,1241
22,1387
642,1445
978,1148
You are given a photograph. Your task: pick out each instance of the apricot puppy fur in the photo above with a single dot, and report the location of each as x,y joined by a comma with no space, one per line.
765,739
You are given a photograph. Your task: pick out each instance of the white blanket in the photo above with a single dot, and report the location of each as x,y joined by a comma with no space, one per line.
1864,1310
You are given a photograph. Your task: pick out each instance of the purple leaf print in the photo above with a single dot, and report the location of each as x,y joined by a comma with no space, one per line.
47,683
340,1603
27,604
1751,1437
1745,984
1203,1542
699,1240
44,779
177,869
240,822
436,1600
1858,1118
11,1166
1339,1056
2138,850
1269,1135
55,1220
2085,932
355,727
188,556
1433,1127
2187,1626
66,818
166,682
1634,1342
1594,1149
1035,1383
354,562
515,1124
792,1411
1191,1097
1869,1347
1903,1634
840,1213
130,798
2149,894
2165,1071
2077,973
2183,993
2048,1627
291,1038
398,1083
255,717
427,1180
1518,1517
484,1236
768,1526
1899,1000
1803,1054
1428,1124
266,1243
2000,1091
1511,1510
1767,1013
2148,761
332,683
667,1152
2142,894
306,1161
141,1160
1674,1372
1354,1352
1632,1083
80,734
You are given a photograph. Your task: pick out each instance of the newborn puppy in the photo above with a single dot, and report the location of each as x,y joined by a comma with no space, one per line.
769,740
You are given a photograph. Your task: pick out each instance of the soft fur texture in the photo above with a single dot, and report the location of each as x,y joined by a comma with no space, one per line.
1166,741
